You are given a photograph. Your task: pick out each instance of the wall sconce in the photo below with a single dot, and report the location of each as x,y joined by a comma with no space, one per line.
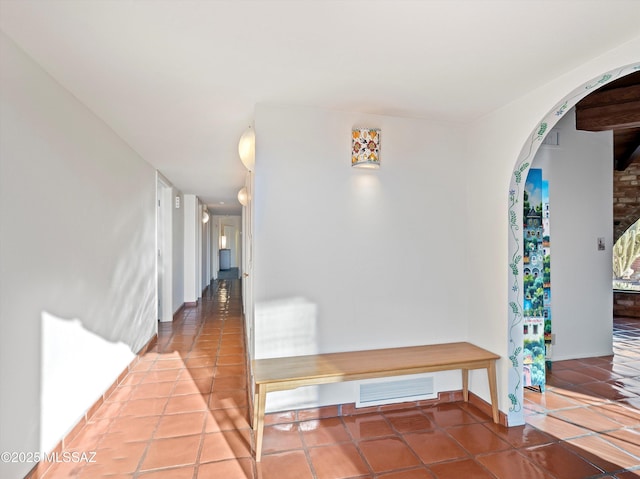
365,151
243,196
247,149
205,216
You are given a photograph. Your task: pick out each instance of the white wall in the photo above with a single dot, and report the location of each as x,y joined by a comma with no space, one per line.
215,245
580,177
321,228
164,264
173,272
191,213
196,245
213,254
205,252
77,219
366,259
172,251
178,250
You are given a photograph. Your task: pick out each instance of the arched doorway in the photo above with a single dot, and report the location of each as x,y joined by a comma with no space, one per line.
515,241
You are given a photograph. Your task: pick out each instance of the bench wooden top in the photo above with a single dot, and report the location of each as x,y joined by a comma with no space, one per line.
346,366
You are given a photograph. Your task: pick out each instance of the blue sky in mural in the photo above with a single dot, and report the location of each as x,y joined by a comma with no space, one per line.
534,180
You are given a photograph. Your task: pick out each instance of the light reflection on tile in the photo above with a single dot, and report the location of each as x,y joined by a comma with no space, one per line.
183,411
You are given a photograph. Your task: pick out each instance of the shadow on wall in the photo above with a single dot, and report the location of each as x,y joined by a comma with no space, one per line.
70,387
83,356
127,311
286,328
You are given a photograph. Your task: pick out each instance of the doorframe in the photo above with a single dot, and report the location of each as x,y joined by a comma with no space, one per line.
246,265
164,249
522,165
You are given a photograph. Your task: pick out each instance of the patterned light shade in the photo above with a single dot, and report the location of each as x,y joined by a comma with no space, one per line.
365,148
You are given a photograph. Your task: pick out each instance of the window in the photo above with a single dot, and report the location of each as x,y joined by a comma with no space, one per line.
626,260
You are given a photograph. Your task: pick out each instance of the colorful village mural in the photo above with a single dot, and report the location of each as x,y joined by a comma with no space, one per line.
536,281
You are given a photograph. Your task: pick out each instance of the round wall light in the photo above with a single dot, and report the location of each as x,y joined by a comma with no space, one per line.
247,149
243,196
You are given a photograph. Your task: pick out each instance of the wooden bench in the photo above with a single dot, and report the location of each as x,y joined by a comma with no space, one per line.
280,374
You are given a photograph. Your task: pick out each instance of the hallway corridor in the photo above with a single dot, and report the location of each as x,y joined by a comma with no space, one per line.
182,413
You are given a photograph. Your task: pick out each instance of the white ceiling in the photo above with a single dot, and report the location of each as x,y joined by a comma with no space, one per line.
178,80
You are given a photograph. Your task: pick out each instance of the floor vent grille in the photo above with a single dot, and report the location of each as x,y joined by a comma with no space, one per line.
387,392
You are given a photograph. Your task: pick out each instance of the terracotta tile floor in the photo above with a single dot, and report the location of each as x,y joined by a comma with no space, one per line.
182,413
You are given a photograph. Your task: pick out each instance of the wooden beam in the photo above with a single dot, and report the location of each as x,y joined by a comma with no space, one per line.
610,97
626,148
611,117
613,109
623,163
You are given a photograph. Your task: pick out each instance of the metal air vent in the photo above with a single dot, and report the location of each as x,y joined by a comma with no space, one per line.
402,390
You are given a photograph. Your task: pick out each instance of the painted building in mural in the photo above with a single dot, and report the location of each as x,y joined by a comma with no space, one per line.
546,275
536,280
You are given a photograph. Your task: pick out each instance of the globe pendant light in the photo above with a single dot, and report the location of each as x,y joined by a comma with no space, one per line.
247,149
243,196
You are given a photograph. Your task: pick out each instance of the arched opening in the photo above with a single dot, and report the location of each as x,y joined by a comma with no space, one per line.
515,329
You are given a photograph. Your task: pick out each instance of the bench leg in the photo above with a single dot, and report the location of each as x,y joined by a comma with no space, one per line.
465,385
254,422
493,390
258,420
